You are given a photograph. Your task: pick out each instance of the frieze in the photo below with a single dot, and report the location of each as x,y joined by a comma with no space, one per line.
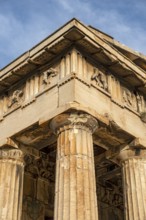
133,100
119,93
111,195
40,167
73,65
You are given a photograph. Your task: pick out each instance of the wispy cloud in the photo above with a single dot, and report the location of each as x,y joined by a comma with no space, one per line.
124,20
25,23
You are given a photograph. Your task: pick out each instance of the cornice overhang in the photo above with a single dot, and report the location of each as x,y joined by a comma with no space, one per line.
136,57
73,33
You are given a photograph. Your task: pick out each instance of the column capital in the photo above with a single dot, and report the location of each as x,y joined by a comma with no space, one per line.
129,153
11,153
75,120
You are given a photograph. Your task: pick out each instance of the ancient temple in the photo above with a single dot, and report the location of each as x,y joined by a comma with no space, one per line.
73,129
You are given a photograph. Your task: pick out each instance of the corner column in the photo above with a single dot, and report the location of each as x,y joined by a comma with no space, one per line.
134,183
11,183
75,192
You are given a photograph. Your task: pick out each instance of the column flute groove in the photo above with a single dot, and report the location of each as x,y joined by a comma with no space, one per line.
75,172
11,183
134,183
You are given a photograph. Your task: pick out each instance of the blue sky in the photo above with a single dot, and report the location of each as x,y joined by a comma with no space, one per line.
24,23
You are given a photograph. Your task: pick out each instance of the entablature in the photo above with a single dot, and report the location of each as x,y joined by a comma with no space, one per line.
73,33
74,64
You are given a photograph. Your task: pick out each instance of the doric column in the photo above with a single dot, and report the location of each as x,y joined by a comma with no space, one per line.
134,183
11,183
75,192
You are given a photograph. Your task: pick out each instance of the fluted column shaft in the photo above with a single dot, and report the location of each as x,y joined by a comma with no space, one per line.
75,193
11,183
134,184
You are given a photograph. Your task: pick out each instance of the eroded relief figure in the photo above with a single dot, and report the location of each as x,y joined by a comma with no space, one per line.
141,106
134,100
48,75
139,99
131,100
16,97
127,96
100,79
39,167
111,196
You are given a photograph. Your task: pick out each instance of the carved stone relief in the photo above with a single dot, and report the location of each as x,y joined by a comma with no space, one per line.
110,195
47,75
40,167
100,79
16,98
129,99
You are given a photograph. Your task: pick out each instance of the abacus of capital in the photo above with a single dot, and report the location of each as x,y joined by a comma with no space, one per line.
73,129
